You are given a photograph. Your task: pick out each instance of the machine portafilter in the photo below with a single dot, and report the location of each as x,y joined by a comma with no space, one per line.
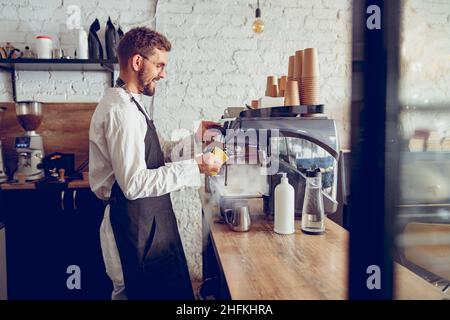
224,137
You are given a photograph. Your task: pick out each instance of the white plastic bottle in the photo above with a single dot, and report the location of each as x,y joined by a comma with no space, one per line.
284,207
82,48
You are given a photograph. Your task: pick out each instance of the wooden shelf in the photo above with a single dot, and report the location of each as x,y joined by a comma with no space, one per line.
58,64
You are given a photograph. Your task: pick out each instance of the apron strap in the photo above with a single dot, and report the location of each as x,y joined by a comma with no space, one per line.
121,84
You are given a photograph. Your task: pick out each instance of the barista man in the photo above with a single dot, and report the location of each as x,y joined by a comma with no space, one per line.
141,246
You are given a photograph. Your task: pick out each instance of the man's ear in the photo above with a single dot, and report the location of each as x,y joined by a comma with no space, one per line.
136,62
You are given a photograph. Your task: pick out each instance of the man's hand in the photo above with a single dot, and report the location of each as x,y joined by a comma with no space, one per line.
203,134
209,163
210,146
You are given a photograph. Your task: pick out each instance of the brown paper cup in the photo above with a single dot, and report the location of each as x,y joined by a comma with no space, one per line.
280,92
272,86
308,81
298,64
282,86
310,65
254,104
283,81
310,89
310,93
291,95
291,68
311,103
272,90
271,80
310,100
309,96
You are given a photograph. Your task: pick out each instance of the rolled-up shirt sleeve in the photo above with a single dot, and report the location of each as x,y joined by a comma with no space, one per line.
125,139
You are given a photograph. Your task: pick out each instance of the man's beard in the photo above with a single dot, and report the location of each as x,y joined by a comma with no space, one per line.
146,90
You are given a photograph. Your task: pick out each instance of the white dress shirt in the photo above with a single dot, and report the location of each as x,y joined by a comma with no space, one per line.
117,153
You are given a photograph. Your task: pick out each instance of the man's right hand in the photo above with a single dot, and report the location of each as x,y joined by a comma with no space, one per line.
209,163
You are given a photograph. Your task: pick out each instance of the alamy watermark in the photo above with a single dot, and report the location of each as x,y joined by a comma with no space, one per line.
374,20
249,146
74,279
73,20
374,280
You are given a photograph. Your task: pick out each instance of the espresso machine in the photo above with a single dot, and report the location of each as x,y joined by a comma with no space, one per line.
29,146
3,176
262,143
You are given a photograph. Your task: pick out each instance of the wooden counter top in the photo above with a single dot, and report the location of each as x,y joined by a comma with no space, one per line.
261,264
75,184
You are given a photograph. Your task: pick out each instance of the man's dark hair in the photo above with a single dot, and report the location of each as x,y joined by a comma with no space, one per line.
142,41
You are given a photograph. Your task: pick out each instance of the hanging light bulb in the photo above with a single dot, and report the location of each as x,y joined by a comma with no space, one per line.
258,24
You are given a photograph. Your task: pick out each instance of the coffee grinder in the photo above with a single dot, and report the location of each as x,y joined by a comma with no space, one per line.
29,146
3,176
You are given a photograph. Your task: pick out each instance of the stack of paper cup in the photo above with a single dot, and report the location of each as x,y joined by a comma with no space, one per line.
272,86
310,80
291,68
298,66
282,86
291,97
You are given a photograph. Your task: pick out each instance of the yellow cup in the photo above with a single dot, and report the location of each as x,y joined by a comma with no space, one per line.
221,155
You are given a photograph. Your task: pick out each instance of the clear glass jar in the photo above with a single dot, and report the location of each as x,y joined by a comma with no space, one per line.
313,214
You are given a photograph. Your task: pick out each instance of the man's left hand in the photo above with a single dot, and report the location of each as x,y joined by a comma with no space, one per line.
203,133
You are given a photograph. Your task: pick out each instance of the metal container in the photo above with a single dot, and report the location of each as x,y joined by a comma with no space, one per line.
239,220
29,115
28,107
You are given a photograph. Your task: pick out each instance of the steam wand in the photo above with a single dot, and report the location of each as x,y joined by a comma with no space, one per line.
226,166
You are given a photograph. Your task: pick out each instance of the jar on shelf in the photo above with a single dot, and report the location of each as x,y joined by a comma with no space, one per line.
44,47
28,53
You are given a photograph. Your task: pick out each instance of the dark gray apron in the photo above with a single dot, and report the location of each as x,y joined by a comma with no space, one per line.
146,233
